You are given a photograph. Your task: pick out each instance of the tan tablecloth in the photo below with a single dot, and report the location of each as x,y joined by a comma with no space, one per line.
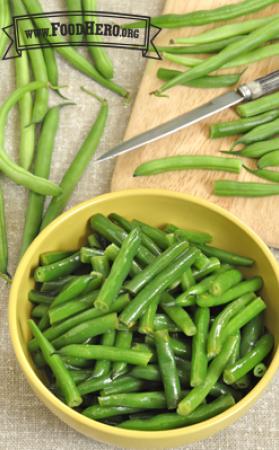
25,423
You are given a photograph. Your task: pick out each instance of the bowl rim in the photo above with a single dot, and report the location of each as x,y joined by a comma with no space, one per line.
78,418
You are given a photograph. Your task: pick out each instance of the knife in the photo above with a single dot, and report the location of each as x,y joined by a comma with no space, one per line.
246,92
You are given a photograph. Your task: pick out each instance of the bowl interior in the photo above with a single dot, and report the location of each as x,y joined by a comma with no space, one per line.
69,231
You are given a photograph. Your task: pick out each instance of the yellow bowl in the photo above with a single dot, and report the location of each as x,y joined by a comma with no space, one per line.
155,207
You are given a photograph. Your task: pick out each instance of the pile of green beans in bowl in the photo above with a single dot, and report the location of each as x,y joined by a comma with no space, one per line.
148,328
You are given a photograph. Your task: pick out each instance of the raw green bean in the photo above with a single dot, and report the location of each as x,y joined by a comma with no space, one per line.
251,333
74,58
259,133
123,340
259,370
196,237
269,160
195,397
209,82
63,377
5,21
178,315
45,146
156,286
203,17
103,367
245,287
199,357
93,385
259,106
39,310
97,352
75,7
100,264
224,32
78,165
116,234
25,105
186,162
142,400
220,322
270,175
59,269
226,256
122,385
98,412
77,287
168,368
169,421
7,166
53,256
86,254
240,126
38,297
54,287
160,263
245,364
243,317
70,308
92,313
211,47
80,333
254,40
225,281
111,253
51,67
3,237
227,188
257,149
146,323
119,271
99,55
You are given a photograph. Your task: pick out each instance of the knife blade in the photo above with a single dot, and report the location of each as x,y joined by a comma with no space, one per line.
246,92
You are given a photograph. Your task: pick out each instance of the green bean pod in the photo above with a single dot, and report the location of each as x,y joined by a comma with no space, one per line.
224,281
209,82
259,106
73,7
259,370
100,264
270,175
70,308
257,149
142,400
207,47
123,340
195,237
199,356
77,287
58,269
269,160
5,20
178,315
227,188
146,324
111,253
87,253
259,133
97,412
93,385
226,256
123,384
53,256
38,297
251,333
103,367
56,286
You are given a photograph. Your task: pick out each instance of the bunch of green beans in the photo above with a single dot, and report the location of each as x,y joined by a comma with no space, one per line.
120,345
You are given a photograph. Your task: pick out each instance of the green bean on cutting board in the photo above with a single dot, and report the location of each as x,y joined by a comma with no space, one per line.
78,165
259,106
223,32
244,45
73,57
185,162
5,21
259,133
227,188
257,149
209,82
211,47
270,175
3,238
203,17
269,160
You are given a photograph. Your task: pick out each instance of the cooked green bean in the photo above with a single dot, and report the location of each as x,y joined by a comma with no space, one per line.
209,82
160,263
39,310
203,17
245,287
93,385
80,375
74,58
257,149
97,352
111,253
70,308
86,254
43,323
196,237
186,162
224,32
98,412
123,340
251,333
162,321
187,279
158,236
221,320
63,377
269,160
146,323
78,165
254,40
38,297
227,188
100,264
123,384
80,333
119,271
225,281
259,106
75,7
93,241
259,370
195,397
179,316
142,400
212,266
100,56
54,287
77,287
240,126
92,313
102,367
59,269
169,421
45,146
199,357
245,364
259,133
168,368
270,175
3,237
156,286
53,256
226,256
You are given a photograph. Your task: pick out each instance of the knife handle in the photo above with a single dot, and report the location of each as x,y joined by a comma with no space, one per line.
260,87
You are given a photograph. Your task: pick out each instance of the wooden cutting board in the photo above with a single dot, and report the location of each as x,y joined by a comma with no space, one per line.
261,214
